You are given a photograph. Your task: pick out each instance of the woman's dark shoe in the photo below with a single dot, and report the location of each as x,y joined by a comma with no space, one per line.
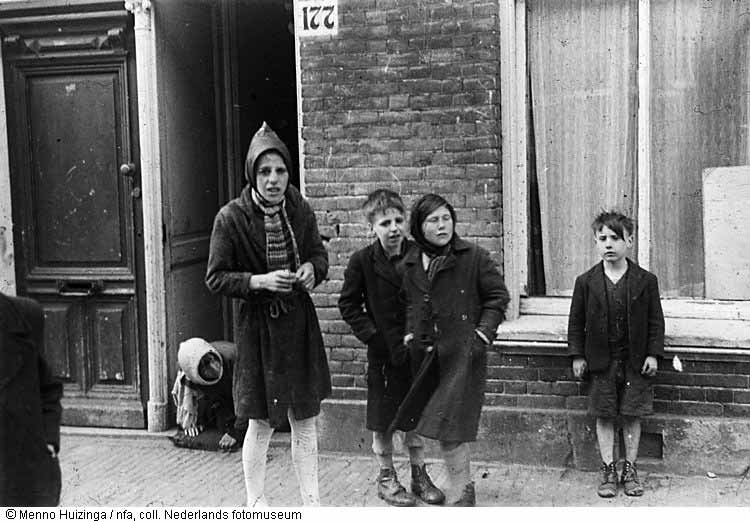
391,490
630,481
422,486
468,497
608,485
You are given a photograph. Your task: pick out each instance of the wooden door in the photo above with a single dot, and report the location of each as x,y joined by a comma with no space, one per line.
77,227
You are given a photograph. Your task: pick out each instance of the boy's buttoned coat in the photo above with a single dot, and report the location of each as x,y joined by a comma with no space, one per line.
369,302
587,323
29,408
281,360
467,293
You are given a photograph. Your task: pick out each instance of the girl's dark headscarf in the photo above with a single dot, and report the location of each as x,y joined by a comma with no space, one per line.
422,208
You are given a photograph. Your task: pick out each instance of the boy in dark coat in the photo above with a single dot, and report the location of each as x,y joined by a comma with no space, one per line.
29,409
369,303
616,332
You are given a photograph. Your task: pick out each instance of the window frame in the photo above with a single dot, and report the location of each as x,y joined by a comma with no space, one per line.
514,99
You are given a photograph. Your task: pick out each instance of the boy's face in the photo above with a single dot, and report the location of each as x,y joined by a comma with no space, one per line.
610,247
389,227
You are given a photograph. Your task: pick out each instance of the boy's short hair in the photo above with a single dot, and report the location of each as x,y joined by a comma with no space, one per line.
381,200
615,221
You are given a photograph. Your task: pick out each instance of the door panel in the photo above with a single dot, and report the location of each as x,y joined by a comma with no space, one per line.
81,206
75,215
112,328
62,340
188,75
71,194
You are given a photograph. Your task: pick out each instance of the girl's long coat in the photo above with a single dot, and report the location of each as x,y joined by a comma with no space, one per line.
281,360
29,409
467,293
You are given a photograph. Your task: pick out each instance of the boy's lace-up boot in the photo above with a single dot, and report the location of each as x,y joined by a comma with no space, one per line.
630,481
391,490
422,486
468,497
608,486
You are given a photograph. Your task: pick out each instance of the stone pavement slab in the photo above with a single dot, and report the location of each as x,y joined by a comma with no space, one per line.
103,470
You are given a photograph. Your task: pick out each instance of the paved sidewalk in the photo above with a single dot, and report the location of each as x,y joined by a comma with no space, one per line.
147,470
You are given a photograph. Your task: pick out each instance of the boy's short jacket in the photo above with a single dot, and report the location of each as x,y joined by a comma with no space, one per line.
587,322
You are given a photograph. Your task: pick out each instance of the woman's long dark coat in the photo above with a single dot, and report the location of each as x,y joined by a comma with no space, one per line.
467,293
281,360
29,409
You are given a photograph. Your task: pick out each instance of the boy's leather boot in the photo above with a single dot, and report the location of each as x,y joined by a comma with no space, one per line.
608,486
422,486
391,490
630,481
468,497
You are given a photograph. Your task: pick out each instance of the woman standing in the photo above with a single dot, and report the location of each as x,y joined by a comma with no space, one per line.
267,252
455,299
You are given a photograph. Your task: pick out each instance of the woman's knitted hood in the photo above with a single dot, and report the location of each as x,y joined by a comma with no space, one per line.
263,141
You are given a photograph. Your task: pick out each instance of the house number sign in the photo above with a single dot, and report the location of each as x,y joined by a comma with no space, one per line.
317,17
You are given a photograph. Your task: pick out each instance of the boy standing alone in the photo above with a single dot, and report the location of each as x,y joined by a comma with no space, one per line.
616,332
370,304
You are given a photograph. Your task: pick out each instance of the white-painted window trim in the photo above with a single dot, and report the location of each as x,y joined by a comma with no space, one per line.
515,190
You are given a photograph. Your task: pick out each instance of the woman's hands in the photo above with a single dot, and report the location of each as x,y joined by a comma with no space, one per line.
306,275
283,280
276,281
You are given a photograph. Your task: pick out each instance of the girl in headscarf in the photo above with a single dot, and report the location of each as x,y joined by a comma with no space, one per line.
267,252
455,300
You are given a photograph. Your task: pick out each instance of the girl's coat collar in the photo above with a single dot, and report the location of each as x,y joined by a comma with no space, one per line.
414,258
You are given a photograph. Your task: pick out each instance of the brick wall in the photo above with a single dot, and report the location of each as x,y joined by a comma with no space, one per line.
406,97
525,378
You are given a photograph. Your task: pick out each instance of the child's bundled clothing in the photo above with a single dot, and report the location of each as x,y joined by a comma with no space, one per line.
205,402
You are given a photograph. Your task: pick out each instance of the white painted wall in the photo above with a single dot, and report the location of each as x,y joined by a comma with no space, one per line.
7,265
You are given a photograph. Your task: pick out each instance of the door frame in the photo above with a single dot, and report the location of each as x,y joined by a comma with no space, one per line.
144,28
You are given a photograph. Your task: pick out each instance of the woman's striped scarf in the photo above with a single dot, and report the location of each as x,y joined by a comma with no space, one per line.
281,245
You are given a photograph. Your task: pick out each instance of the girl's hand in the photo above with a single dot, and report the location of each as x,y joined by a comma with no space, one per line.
579,367
276,281
306,275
